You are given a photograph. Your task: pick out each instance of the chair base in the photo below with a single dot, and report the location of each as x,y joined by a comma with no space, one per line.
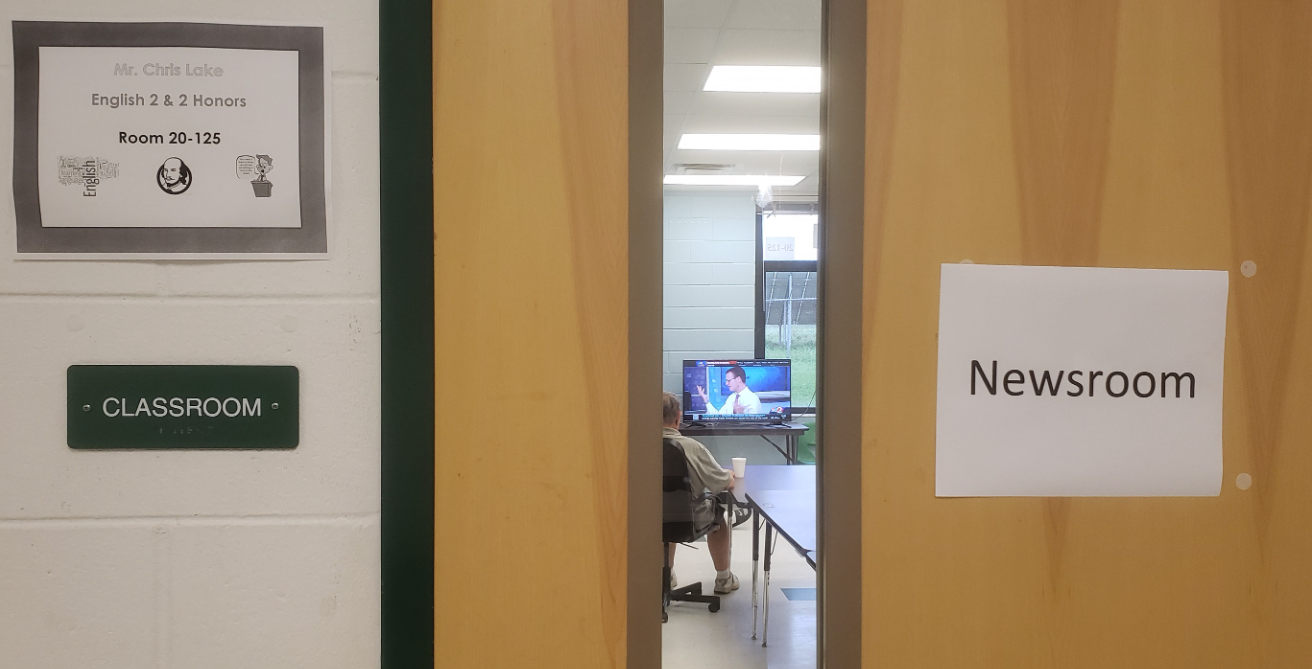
688,593
693,593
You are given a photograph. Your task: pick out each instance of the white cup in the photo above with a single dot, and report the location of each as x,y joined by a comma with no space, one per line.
739,467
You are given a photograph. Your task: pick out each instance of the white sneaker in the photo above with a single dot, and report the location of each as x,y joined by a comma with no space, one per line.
724,586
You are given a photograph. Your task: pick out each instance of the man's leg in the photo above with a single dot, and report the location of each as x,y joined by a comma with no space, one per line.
669,557
718,541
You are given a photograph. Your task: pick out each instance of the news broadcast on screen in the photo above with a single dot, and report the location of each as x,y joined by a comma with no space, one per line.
737,390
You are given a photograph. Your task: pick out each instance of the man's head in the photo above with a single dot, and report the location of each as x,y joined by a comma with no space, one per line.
671,409
172,171
735,378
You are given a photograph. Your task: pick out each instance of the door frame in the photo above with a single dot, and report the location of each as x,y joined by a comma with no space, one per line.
842,209
405,106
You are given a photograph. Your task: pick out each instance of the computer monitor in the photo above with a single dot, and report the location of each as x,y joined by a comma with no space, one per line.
758,391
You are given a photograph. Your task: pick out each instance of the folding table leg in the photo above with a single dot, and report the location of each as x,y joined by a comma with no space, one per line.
756,556
765,623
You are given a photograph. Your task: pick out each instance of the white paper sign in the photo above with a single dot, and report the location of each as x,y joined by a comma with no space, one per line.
1079,381
140,137
169,140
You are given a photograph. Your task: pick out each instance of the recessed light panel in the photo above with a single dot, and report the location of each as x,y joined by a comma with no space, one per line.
747,142
763,79
731,180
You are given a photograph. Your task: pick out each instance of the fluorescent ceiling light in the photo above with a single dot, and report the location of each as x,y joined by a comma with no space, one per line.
763,79
744,142
731,180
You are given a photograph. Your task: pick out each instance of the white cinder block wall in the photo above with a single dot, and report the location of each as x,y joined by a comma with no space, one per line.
199,560
710,295
710,279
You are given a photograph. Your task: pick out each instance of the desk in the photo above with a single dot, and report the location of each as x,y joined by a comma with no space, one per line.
784,497
789,431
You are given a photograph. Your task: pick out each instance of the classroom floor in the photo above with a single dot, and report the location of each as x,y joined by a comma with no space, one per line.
695,637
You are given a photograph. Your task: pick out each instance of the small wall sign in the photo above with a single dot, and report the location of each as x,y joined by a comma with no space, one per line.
183,407
1079,381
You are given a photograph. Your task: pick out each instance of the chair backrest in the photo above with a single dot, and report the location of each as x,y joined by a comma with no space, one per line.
685,515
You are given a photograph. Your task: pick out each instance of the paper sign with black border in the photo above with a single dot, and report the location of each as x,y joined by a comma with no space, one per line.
36,241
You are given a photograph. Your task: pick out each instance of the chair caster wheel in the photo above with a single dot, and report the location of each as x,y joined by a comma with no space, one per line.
714,607
665,617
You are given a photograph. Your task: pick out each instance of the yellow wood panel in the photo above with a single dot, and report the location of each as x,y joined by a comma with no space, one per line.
530,174
1175,133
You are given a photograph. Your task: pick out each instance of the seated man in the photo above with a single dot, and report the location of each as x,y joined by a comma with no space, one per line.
706,474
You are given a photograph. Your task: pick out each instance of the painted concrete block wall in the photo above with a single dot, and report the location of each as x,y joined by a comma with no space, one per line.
199,559
710,295
710,279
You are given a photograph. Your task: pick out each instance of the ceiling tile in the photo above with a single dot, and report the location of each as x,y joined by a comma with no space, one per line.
804,191
690,45
774,15
808,124
806,188
765,47
753,162
671,140
741,32
677,102
756,104
675,122
696,13
686,76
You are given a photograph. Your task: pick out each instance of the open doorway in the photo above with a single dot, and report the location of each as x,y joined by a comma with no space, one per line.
742,230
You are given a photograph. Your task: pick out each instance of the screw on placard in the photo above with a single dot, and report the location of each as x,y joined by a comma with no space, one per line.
275,405
86,407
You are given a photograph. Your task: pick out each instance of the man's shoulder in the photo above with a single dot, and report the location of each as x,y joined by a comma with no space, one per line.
685,442
676,436
683,439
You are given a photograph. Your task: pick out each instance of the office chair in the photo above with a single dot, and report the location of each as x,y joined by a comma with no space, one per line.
685,517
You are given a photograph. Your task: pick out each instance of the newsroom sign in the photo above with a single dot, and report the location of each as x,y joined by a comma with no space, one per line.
1079,381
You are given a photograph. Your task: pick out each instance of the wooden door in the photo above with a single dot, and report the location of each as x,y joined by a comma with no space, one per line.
531,278
1171,134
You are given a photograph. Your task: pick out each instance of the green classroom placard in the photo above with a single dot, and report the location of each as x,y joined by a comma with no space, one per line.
183,407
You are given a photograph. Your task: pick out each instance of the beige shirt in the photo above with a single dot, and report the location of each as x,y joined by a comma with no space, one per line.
703,470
